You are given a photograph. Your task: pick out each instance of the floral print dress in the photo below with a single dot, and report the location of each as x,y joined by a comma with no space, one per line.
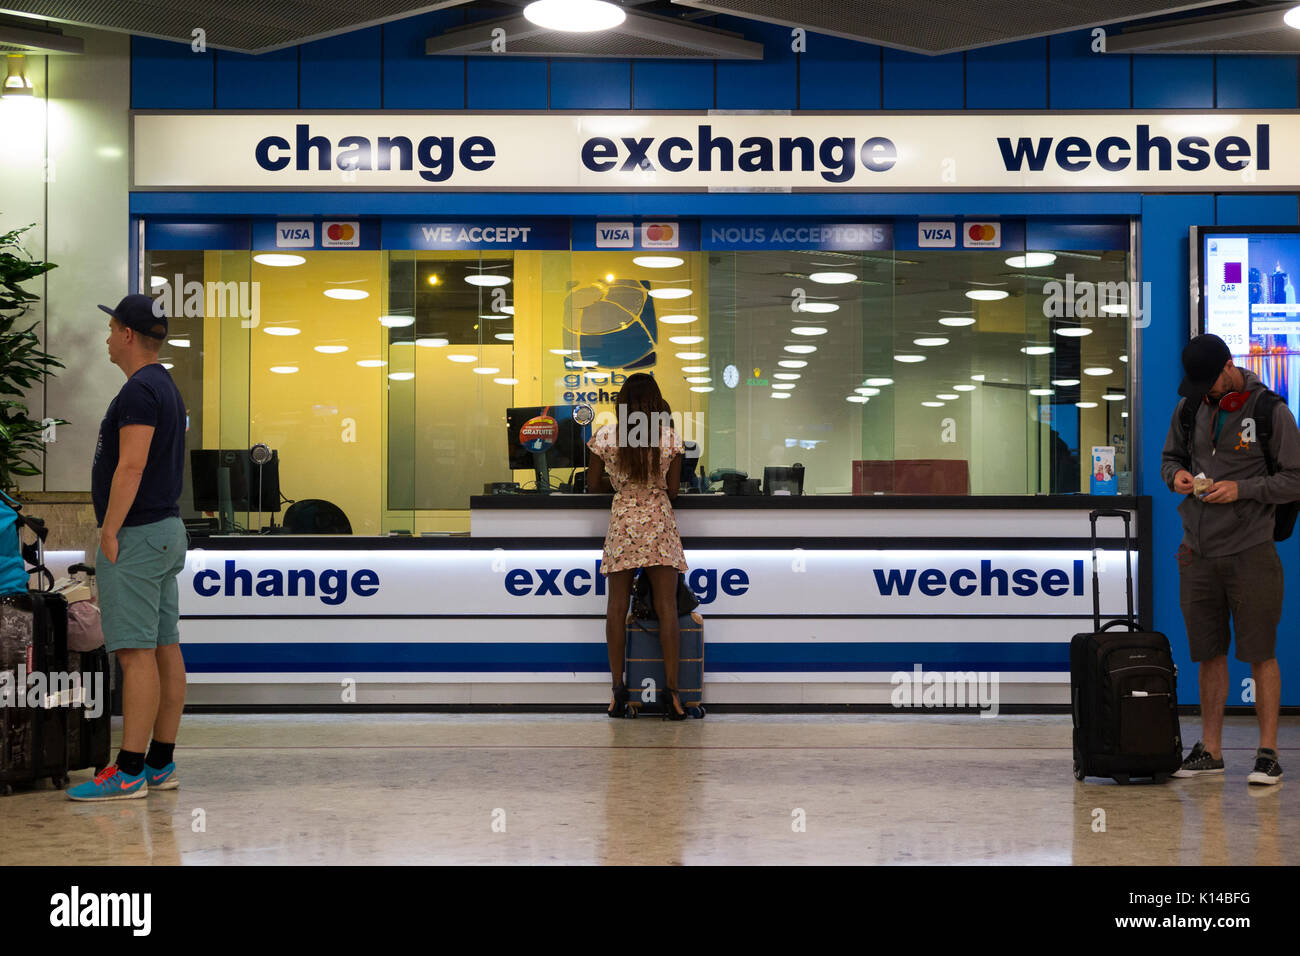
642,528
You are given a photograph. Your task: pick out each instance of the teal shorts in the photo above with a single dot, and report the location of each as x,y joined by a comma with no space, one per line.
139,599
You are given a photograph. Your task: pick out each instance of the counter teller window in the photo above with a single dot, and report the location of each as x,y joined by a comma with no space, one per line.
385,379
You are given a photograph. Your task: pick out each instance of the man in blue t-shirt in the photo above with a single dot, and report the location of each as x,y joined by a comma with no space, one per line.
135,484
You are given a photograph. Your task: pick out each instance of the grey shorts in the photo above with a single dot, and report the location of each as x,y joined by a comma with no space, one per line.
1245,587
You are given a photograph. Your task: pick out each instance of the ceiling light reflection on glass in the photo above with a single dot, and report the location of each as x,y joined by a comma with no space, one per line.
1031,260
372,363
833,278
692,356
909,359
987,295
487,280
857,399
878,382
1065,382
658,262
278,259
1098,371
283,330
432,343
330,349
957,321
930,343
792,363
678,318
686,339
506,381
350,295
396,321
461,359
284,369
400,376
1073,331
820,308
670,293
801,349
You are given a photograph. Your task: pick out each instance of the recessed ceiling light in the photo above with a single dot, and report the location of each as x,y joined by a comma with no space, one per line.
933,404
669,293
779,386
909,359
157,282
658,262
809,330
1042,391
487,280
505,336
963,388
574,16
957,321
859,399
779,395
1074,331
1114,397
1086,404
284,369
701,388
494,318
1292,18
396,321
281,330
278,259
372,363
1031,260
400,376
801,349
692,369
1123,358
686,339
879,381
1065,382
678,318
699,379
330,349
581,363
1115,308
485,370
987,295
1099,370
1038,350
462,359
506,381
168,365
564,351
948,396
833,278
179,343
787,376
792,363
609,277
508,309
692,356
348,294
930,343
818,307
977,378
433,343
869,392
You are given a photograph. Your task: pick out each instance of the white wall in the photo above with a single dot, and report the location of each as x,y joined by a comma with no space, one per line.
65,168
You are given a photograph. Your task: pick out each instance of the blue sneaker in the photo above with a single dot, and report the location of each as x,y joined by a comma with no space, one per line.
164,779
111,784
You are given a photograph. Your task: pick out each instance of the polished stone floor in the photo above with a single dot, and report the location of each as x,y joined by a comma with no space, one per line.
743,789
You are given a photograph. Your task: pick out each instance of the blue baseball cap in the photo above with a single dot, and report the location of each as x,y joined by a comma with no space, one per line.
137,313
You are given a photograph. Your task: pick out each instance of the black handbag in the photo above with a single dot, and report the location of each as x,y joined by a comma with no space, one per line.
643,601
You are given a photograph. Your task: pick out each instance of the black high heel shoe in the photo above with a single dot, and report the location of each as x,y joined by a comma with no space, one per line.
619,708
670,712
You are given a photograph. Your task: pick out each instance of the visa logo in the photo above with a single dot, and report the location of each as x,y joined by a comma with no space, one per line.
295,235
936,235
613,235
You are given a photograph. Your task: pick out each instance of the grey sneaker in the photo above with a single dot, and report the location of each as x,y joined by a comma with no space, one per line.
1267,770
1199,761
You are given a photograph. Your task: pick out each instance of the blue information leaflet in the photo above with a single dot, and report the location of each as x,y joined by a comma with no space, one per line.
759,233
434,234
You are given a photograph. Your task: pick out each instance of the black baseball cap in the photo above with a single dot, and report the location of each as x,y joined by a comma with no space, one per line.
136,312
1203,360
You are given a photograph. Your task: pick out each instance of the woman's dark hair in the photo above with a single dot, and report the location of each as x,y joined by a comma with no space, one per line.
641,412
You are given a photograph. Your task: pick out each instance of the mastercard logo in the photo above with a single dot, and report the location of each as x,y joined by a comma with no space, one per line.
340,231
981,232
659,232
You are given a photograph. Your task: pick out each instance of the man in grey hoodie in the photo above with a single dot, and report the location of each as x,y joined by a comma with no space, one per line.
1228,564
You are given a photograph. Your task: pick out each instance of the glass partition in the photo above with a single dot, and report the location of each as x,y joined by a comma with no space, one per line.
392,383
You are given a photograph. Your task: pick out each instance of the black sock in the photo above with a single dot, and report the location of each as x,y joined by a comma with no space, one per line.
130,763
160,754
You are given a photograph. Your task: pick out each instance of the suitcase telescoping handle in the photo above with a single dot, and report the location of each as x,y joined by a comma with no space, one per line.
1128,570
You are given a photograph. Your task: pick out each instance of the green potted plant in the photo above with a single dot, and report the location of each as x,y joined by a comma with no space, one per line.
22,361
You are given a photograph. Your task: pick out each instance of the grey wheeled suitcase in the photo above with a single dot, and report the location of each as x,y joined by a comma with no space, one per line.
1123,691
645,666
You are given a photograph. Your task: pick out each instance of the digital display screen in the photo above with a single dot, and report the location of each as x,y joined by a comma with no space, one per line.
1248,298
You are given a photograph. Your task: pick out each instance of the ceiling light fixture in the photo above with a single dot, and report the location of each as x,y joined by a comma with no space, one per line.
574,16
278,259
1031,260
657,262
833,278
987,295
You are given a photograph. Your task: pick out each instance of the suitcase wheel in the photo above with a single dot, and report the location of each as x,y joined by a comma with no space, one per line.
1121,779
1078,771
6,790
698,711
631,712
60,781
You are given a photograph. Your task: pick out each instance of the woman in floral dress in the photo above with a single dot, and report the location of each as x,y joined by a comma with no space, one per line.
639,459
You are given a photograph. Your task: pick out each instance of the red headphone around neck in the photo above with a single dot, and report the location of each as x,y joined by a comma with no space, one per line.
1231,402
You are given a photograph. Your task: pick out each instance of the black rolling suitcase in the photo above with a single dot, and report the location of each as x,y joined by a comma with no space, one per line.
1123,691
33,732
